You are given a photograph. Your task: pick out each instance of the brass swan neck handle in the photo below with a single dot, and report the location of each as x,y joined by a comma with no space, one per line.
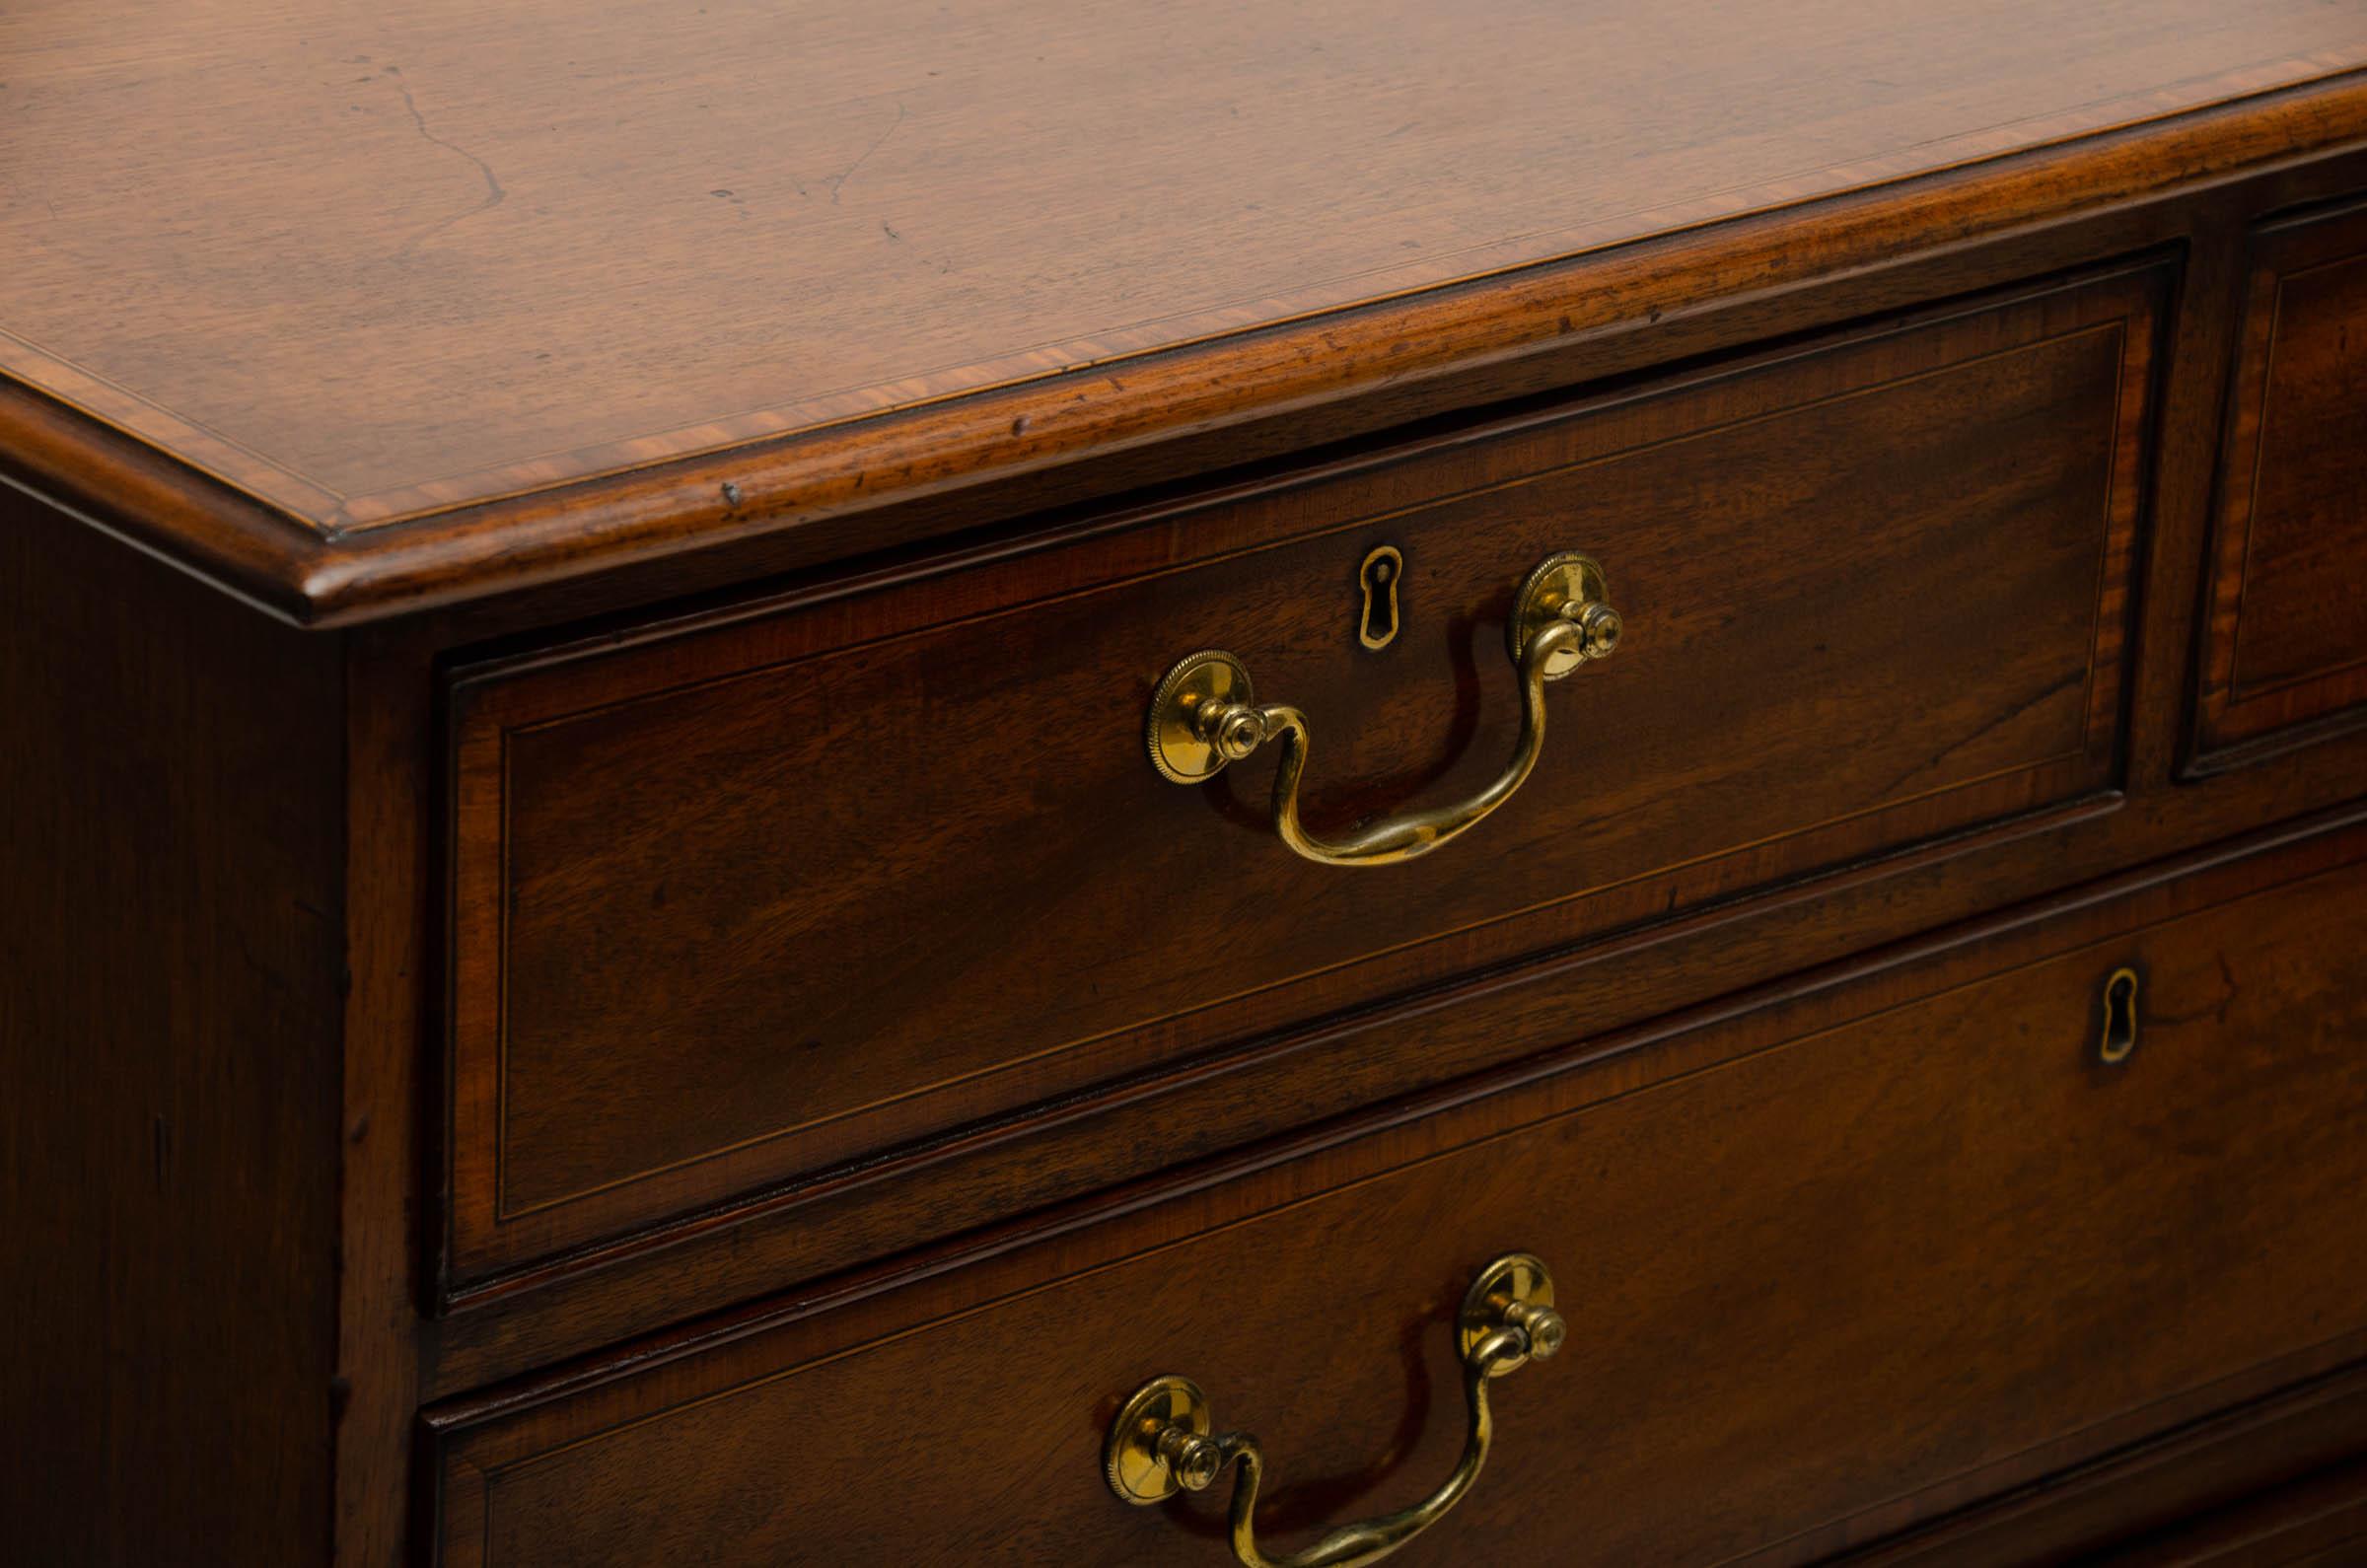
1204,717
1161,1441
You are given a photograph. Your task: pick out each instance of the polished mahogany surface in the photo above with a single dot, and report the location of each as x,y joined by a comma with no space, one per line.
2285,647
366,264
171,940
391,259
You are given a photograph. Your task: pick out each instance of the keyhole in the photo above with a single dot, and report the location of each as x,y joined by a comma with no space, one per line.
2119,1016
1376,620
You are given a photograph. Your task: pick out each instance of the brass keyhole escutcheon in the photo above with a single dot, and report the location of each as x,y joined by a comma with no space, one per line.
1377,619
2119,1016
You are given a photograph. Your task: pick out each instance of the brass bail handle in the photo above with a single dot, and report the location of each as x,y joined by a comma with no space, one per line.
1205,716
1162,1441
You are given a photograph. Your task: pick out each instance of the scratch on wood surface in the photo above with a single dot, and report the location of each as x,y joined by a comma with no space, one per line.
494,194
838,180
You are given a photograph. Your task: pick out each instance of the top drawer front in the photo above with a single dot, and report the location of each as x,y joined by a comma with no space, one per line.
744,899
2285,654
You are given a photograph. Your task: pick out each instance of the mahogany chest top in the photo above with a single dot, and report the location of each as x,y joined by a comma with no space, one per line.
426,299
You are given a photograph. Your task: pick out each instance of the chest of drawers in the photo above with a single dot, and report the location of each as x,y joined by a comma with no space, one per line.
850,784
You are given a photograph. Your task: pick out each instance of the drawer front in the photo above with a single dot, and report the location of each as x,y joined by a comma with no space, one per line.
742,901
2285,651
1890,1244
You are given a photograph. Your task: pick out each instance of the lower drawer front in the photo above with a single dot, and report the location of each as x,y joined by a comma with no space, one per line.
1828,1265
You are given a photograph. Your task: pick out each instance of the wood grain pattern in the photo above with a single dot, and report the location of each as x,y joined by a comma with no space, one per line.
1800,1237
2276,1472
633,233
473,208
382,1188
2317,1522
685,964
2285,654
170,946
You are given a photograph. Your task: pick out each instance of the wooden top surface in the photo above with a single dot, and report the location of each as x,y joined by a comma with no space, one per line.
366,262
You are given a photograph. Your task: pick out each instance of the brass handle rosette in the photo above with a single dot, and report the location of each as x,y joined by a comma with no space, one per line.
1162,1441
